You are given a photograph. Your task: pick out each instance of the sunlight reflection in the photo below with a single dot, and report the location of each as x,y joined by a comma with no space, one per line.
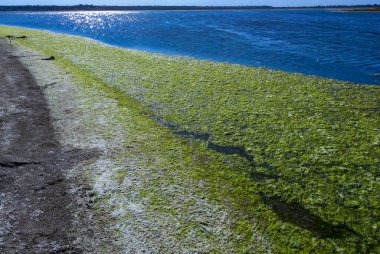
100,19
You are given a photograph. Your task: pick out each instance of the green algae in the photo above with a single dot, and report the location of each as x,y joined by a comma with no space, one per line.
314,142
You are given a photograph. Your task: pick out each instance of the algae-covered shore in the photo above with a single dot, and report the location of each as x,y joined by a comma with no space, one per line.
215,157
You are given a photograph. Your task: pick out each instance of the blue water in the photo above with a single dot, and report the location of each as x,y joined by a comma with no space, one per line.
331,44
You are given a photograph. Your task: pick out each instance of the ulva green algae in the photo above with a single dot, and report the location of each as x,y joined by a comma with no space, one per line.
316,141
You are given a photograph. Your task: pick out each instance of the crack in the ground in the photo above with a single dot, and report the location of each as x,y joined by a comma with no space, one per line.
50,84
51,183
15,164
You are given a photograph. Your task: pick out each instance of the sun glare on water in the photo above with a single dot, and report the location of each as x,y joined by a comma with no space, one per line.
97,20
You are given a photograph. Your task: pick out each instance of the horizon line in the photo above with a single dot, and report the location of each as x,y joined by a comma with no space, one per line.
191,6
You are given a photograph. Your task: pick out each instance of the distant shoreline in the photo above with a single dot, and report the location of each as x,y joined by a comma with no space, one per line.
356,8
377,9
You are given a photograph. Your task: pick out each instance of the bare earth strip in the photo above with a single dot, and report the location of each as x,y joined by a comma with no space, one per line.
35,209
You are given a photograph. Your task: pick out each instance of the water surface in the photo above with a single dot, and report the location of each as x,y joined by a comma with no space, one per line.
331,44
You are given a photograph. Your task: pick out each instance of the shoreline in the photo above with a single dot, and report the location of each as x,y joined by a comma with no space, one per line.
191,96
375,9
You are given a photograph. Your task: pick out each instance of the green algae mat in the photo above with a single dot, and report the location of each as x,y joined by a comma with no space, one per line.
296,157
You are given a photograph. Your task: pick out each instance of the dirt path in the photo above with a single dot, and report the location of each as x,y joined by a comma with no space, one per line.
35,208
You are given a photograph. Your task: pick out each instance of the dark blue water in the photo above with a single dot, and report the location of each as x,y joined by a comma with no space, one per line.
332,44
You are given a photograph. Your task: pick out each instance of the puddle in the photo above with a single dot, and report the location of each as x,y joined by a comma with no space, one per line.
230,150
